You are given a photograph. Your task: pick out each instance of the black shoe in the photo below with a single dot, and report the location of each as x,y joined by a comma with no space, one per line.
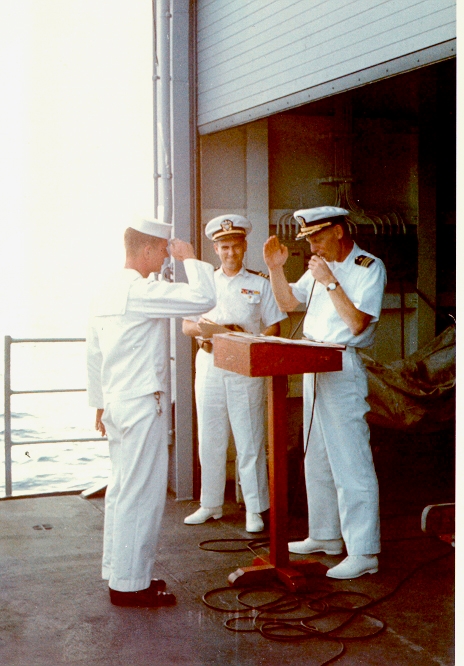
157,584
149,598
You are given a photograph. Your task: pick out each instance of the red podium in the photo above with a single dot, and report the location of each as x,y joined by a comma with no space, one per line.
276,358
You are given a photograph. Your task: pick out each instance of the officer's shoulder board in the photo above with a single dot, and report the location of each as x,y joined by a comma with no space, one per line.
258,273
363,260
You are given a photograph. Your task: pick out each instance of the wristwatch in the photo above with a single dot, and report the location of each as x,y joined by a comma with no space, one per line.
332,286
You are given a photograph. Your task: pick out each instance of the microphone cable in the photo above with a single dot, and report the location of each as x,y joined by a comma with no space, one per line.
305,445
295,329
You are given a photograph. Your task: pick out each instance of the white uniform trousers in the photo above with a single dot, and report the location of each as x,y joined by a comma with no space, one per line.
228,400
341,483
136,493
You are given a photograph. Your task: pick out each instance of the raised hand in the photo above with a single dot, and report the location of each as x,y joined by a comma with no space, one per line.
181,250
275,254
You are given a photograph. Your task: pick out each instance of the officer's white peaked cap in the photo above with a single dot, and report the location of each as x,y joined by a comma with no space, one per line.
152,227
227,225
312,220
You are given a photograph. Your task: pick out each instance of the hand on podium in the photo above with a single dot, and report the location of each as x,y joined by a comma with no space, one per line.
210,328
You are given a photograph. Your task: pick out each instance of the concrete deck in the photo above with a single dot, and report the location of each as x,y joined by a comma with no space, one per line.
55,609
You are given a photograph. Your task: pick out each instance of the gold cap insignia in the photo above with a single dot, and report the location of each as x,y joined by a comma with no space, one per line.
227,225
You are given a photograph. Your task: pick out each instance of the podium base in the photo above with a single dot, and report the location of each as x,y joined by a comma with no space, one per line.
294,575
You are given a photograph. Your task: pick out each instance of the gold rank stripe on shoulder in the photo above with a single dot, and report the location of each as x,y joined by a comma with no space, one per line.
362,260
258,273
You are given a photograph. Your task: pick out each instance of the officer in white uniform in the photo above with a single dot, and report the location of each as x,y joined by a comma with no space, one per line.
226,400
128,356
343,290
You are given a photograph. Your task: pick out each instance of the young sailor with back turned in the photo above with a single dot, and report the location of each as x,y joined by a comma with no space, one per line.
128,357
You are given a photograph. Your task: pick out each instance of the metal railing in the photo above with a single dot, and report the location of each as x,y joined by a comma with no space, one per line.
9,443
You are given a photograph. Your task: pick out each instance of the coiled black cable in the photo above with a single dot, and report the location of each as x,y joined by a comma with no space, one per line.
266,617
270,617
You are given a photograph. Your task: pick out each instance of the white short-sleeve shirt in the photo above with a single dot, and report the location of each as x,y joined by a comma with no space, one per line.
245,299
364,284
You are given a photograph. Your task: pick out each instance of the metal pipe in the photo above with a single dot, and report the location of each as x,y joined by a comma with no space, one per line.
288,225
7,416
163,43
155,114
8,392
163,25
29,442
72,390
46,339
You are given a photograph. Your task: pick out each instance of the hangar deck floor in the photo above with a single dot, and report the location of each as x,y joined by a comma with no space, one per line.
56,609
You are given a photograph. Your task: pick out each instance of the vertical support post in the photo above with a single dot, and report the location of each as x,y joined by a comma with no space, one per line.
257,191
7,417
182,129
155,114
427,205
163,116
277,394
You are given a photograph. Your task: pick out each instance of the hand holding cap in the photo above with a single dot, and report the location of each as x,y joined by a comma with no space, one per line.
181,250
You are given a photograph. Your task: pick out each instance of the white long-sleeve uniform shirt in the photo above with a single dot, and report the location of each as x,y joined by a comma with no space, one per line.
127,341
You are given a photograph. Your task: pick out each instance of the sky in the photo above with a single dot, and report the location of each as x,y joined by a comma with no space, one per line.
76,153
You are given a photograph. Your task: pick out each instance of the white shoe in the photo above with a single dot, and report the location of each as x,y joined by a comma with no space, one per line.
254,522
354,566
328,546
203,514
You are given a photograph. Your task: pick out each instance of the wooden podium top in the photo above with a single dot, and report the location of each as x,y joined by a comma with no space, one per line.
255,357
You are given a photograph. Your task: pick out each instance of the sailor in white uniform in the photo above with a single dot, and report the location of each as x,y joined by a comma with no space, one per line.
226,400
128,356
343,290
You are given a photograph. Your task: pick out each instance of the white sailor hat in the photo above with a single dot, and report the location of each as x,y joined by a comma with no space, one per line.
152,227
315,219
227,225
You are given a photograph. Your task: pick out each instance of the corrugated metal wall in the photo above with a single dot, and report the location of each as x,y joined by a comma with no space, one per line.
254,53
